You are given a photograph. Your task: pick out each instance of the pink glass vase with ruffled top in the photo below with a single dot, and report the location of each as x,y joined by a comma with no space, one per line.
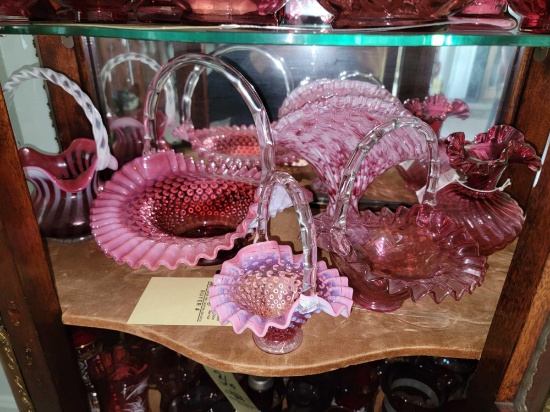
489,214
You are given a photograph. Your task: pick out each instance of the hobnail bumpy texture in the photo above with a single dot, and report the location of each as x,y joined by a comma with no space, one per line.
188,206
266,288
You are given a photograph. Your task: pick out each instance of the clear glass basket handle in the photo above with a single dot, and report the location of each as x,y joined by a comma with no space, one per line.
105,76
305,219
361,151
246,90
194,76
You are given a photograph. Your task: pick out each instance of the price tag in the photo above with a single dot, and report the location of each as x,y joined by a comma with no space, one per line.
232,390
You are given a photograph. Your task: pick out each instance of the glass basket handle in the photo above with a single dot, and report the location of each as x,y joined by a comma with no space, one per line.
193,78
249,95
305,219
358,75
105,159
361,151
105,76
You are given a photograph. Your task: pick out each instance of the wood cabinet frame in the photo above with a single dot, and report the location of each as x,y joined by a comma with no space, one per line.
32,315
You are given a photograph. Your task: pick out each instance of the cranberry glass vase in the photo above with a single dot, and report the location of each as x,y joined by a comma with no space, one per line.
231,11
14,10
433,110
489,214
64,185
535,15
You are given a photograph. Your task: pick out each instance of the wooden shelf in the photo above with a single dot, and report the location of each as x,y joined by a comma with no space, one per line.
95,291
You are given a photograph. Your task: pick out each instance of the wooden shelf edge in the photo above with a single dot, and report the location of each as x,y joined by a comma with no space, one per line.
100,293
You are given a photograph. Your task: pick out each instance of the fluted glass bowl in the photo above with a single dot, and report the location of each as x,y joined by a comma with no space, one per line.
166,209
391,13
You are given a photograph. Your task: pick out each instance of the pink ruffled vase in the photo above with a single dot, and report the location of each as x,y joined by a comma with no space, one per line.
433,110
489,214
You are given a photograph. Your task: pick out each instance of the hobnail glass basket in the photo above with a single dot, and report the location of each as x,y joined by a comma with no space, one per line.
326,131
142,215
232,145
267,289
390,256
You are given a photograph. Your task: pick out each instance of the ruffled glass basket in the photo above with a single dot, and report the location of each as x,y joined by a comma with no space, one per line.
272,292
164,209
390,256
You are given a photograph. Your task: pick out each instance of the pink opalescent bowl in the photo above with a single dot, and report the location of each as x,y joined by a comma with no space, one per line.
234,146
165,209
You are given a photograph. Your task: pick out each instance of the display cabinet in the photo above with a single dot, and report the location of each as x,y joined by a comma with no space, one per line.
46,285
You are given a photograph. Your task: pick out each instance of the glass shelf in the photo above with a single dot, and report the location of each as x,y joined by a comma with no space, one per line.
280,35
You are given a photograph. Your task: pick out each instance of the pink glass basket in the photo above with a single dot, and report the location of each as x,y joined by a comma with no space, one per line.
484,15
163,208
325,132
475,201
390,256
64,185
232,145
127,133
272,292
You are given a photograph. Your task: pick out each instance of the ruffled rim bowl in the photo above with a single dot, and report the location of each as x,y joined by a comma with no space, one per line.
455,265
239,277
138,218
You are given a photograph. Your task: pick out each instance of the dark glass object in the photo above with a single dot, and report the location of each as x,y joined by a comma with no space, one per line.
15,10
535,15
95,10
87,343
312,393
356,387
261,391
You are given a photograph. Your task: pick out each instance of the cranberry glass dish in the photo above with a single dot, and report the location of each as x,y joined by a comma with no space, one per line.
390,13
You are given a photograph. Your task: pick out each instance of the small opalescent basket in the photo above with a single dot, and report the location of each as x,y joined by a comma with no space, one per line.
272,292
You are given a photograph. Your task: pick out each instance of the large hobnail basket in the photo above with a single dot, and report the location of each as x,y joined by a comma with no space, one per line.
412,252
138,217
232,144
64,185
272,292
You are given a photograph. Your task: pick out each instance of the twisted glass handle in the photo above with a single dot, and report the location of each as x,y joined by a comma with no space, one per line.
361,151
104,157
105,76
246,90
194,76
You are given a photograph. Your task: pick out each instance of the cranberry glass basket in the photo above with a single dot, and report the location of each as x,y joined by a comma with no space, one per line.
269,290
390,256
232,145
